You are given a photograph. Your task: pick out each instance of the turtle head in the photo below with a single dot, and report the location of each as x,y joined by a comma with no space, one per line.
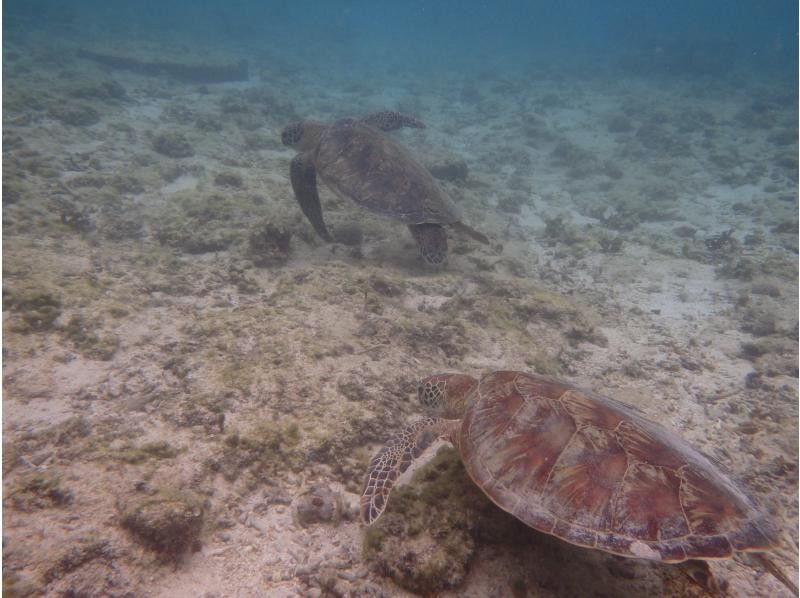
301,135
445,392
292,134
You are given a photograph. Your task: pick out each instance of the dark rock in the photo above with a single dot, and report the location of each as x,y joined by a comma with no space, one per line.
349,234
173,145
76,115
318,504
229,179
684,231
512,204
450,170
765,288
76,217
168,522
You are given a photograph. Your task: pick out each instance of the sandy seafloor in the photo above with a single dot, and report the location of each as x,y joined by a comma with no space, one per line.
173,330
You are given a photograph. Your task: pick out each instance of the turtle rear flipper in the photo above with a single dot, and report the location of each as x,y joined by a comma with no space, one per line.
395,457
387,120
769,565
700,573
432,241
304,183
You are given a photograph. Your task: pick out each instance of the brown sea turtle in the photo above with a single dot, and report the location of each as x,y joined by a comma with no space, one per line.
358,160
582,467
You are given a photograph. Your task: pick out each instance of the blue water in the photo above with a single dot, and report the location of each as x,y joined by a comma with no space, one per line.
684,38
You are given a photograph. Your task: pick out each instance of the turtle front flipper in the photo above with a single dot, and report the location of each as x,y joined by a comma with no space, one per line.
304,183
387,120
432,241
395,457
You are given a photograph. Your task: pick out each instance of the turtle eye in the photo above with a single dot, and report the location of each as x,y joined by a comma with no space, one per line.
421,393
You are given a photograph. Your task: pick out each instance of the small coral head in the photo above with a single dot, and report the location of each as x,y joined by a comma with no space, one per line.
292,134
445,391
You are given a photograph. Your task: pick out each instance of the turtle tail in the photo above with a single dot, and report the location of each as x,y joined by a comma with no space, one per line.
395,457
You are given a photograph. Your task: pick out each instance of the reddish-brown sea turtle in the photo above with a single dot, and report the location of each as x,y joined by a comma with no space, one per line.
359,161
582,467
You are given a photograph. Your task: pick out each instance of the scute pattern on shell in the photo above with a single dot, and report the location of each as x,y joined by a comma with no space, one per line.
595,473
362,163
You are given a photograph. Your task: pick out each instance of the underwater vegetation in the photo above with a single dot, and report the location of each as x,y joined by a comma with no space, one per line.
259,452
269,244
39,491
189,367
81,333
426,537
167,521
85,549
200,225
439,526
36,309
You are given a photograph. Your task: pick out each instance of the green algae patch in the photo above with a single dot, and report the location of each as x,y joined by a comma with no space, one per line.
269,244
168,522
134,454
426,537
78,553
81,332
260,452
36,309
39,490
204,224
